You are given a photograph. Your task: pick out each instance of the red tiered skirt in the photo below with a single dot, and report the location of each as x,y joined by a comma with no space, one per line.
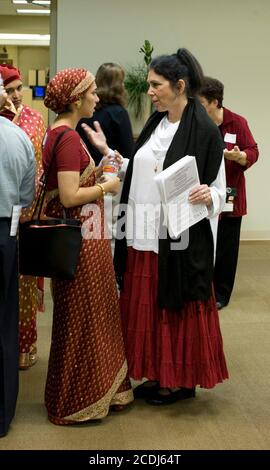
179,349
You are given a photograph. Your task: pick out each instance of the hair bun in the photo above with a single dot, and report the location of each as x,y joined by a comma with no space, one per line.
182,55
194,71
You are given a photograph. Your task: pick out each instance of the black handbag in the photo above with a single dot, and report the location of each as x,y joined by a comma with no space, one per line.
49,247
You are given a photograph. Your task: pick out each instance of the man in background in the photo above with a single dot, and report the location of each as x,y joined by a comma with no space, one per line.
240,153
17,187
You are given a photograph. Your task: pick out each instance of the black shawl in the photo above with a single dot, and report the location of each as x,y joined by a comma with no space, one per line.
183,274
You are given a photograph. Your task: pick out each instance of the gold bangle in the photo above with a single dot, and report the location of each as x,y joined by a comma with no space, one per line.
101,187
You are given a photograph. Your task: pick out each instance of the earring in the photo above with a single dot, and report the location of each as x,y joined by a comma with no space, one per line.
78,104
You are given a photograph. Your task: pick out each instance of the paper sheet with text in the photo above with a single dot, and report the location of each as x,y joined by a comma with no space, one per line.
175,184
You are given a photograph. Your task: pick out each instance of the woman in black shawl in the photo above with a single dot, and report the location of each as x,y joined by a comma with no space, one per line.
169,316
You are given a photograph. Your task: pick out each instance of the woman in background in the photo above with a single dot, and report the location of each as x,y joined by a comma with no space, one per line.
110,112
31,289
115,123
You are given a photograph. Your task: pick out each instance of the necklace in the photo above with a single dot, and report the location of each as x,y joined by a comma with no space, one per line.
159,157
156,166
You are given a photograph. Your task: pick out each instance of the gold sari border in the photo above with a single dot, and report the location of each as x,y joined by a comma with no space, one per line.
100,409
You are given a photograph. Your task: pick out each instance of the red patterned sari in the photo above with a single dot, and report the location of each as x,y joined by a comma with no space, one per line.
87,366
30,288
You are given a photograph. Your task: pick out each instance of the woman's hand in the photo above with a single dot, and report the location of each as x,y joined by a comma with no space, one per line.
3,97
200,195
18,114
117,157
111,184
236,155
10,106
96,137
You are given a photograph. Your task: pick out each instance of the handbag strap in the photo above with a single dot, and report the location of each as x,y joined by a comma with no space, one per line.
45,177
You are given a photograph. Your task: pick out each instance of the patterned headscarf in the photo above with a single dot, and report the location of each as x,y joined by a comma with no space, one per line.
66,87
9,73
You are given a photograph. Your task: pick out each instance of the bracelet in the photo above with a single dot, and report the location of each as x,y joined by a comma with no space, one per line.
101,187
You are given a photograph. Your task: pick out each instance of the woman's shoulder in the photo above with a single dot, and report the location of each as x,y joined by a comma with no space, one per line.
27,111
62,129
31,113
63,134
115,109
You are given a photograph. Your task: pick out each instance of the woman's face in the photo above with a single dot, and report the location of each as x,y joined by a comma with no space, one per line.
89,101
14,92
210,106
163,96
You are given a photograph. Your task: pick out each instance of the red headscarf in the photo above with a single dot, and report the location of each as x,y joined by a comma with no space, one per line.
9,73
66,87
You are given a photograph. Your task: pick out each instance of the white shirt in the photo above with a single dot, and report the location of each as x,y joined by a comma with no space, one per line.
17,168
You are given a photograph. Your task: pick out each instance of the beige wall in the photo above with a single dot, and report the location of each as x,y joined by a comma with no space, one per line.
25,24
29,57
32,57
12,52
231,40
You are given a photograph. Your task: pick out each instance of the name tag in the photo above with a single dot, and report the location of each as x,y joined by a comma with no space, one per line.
230,138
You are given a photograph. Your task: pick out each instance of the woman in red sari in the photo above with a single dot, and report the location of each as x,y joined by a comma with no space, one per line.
31,289
87,372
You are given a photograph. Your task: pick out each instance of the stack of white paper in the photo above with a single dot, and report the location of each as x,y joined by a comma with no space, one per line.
175,184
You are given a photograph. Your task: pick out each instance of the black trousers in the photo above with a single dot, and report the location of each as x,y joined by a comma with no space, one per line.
228,238
9,318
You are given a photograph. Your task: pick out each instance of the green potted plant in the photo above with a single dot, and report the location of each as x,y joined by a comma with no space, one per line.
136,84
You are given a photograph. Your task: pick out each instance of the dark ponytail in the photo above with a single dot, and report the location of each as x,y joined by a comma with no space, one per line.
180,66
195,72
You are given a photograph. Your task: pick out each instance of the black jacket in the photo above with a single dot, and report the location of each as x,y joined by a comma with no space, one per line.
115,123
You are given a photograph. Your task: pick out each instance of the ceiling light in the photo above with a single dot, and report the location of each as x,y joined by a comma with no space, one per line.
33,12
25,39
38,2
24,36
42,2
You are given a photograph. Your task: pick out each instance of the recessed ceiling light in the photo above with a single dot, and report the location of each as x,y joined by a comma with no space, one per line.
33,12
25,39
38,2
38,37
